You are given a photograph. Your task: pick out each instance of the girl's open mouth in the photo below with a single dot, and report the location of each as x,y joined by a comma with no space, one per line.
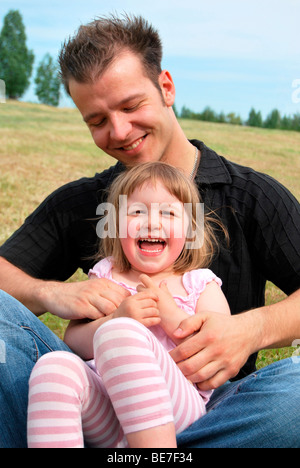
151,246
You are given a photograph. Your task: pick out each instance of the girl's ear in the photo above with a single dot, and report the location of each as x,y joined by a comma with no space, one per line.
167,88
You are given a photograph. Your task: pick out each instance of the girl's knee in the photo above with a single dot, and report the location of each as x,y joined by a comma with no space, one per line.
53,361
117,336
119,327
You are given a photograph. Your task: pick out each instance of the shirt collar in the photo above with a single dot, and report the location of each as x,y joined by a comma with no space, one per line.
212,169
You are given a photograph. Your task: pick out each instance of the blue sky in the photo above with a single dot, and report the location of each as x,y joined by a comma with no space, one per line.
230,55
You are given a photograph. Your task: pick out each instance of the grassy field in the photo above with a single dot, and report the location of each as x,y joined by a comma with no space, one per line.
42,148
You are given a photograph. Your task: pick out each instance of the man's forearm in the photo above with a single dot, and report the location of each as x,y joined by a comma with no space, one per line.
74,300
278,325
21,286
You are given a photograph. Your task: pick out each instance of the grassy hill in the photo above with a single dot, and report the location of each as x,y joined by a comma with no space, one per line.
42,148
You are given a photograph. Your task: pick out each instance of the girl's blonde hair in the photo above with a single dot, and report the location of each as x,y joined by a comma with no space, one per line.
186,192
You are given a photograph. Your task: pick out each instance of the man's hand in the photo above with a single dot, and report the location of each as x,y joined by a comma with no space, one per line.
219,347
90,299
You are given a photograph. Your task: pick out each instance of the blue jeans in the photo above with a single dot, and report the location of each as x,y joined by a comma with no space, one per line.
261,410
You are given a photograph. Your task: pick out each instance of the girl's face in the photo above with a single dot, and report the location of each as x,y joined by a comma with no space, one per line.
153,232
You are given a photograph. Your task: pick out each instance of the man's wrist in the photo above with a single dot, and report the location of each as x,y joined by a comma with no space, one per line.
255,328
40,296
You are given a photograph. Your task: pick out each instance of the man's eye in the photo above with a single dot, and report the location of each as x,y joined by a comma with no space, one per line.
131,108
98,124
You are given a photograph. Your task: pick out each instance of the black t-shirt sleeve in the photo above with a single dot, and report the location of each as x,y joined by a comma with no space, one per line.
60,235
46,245
272,230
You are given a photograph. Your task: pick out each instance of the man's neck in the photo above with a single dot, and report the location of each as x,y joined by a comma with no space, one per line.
182,154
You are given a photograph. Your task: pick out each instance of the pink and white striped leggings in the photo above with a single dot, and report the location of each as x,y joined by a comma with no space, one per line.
140,387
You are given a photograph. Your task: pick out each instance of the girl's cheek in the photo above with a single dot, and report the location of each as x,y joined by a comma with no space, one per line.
133,228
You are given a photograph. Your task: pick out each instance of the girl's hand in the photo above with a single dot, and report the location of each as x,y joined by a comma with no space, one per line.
141,307
165,298
170,314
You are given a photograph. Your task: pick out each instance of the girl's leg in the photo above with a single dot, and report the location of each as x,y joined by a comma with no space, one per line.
23,340
68,403
144,384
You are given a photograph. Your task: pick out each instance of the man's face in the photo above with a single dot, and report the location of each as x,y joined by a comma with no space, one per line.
127,116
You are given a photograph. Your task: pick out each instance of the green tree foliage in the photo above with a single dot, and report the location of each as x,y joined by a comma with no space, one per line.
47,82
16,61
273,120
255,119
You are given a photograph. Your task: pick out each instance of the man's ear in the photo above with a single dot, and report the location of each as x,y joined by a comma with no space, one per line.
167,86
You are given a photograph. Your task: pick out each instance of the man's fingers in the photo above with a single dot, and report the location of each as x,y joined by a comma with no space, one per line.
220,378
187,354
106,295
189,326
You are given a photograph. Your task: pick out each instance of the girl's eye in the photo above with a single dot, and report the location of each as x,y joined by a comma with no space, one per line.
136,212
169,214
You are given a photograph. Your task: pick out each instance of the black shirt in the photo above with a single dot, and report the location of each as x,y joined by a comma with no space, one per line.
262,218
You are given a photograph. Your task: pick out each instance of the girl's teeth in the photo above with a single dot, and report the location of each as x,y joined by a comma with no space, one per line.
144,245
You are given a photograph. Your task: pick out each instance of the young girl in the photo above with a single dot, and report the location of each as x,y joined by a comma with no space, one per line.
132,394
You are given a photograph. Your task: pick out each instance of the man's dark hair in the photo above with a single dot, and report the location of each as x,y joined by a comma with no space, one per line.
88,54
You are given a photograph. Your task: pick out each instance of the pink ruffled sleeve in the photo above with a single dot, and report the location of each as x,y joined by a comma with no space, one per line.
195,281
102,269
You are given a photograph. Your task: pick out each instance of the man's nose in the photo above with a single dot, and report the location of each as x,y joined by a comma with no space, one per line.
120,127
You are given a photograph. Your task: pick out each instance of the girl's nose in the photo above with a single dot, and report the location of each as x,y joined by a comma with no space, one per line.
154,220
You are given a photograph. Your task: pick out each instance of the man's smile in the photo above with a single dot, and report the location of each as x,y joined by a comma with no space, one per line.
135,144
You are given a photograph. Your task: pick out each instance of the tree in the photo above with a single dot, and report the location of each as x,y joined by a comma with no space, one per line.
16,61
186,113
273,120
296,122
47,82
208,115
255,119
233,119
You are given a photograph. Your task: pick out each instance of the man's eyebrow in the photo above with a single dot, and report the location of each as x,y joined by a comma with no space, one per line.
120,104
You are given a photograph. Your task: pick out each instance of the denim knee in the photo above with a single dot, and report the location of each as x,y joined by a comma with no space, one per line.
275,394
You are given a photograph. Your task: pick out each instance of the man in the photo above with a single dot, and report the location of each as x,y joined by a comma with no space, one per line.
112,71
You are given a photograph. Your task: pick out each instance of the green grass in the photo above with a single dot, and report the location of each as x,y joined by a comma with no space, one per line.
42,148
